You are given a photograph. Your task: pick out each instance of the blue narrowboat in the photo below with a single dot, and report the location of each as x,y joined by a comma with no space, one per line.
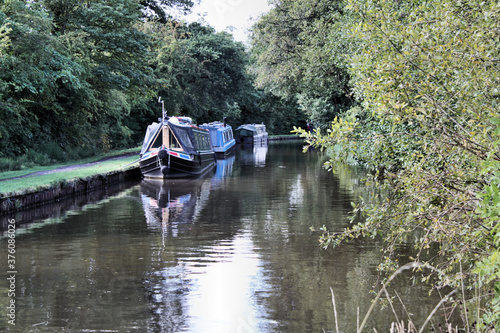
221,137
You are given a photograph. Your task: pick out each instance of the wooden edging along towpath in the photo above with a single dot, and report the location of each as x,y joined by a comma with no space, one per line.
54,193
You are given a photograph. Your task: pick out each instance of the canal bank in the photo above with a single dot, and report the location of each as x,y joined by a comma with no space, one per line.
54,190
36,189
285,137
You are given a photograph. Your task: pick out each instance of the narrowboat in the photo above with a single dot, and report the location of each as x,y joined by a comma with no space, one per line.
175,148
221,137
251,134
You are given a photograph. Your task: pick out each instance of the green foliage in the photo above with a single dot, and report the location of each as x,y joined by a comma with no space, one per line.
279,115
297,53
155,10
202,74
59,86
200,71
426,77
78,77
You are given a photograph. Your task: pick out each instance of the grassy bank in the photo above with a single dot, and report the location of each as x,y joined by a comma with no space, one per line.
40,168
279,137
35,182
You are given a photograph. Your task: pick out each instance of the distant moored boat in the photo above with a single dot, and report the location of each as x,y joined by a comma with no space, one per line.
251,133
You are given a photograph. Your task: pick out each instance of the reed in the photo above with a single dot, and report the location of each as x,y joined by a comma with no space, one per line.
335,311
399,325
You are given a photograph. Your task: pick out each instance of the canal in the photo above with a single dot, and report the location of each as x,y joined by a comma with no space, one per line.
230,252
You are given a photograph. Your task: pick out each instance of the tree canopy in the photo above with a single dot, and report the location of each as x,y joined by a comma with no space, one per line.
408,89
83,76
295,55
424,117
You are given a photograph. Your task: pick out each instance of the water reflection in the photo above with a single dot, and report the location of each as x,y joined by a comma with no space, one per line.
224,167
56,211
173,205
223,297
253,154
231,252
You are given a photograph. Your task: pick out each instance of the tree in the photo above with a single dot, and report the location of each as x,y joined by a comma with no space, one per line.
201,72
426,75
38,79
297,54
158,9
72,70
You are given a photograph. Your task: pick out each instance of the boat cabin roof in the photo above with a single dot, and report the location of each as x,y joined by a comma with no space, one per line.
217,125
190,137
258,128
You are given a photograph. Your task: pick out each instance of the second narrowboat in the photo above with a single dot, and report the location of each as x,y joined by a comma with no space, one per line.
221,137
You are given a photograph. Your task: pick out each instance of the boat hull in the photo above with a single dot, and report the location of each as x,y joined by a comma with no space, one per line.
226,150
171,166
255,139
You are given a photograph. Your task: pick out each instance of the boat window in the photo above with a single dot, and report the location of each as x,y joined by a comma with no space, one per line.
184,137
198,139
206,141
202,140
173,141
158,141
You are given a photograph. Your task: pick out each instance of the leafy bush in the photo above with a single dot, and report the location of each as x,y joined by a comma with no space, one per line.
53,151
426,76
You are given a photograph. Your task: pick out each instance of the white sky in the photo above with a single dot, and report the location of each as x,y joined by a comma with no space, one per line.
221,14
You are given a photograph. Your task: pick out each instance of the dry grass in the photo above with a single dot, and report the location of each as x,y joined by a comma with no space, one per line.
399,326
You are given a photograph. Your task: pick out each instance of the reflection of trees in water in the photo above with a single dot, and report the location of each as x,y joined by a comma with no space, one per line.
295,196
140,260
178,213
287,200
60,208
166,290
170,209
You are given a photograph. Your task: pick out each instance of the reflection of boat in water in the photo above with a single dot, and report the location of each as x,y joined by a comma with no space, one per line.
253,154
221,137
173,205
175,148
251,134
225,167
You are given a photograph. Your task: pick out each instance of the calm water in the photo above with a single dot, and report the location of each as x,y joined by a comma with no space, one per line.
231,252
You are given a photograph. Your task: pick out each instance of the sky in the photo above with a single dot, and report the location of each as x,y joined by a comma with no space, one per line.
221,14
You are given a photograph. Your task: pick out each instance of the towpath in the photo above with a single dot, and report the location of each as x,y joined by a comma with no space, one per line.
71,167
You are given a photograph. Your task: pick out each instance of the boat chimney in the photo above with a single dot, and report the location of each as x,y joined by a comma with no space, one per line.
225,121
163,115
